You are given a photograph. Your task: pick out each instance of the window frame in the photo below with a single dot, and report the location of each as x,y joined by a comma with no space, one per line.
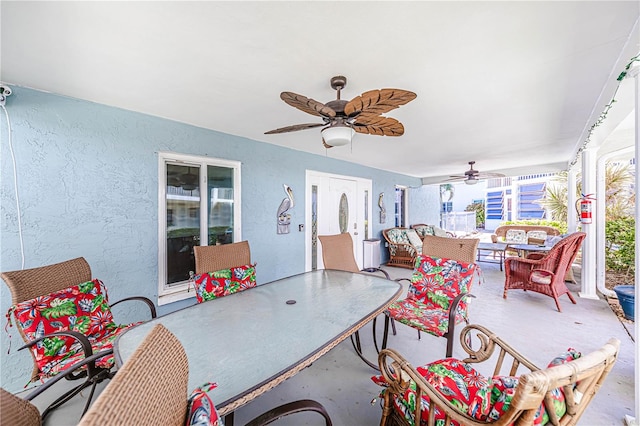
181,291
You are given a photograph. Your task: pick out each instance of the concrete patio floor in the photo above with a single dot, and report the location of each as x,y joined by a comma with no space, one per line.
528,321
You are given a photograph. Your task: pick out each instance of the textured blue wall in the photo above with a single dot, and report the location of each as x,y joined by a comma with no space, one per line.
87,181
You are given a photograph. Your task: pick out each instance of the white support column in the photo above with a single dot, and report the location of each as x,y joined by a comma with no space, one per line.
600,215
588,274
635,73
572,177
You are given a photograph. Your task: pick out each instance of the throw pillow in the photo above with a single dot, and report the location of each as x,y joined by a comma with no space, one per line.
202,411
212,285
83,308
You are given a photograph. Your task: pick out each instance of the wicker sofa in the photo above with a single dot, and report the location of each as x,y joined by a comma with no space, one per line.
424,230
406,243
500,234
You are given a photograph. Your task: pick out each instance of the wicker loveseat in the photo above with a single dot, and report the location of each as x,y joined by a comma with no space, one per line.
500,234
404,245
424,230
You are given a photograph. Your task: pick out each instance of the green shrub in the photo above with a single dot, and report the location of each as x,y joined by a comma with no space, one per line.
560,226
479,209
620,240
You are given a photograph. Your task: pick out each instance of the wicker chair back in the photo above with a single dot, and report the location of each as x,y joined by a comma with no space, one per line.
27,284
215,258
461,249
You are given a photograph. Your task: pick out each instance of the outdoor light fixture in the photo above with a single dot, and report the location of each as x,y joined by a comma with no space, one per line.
471,180
337,135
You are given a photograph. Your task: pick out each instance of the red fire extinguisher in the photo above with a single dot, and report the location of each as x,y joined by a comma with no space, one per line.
585,208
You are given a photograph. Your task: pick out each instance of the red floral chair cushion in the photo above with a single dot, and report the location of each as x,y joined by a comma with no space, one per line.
212,285
419,316
202,411
435,283
83,308
457,381
481,398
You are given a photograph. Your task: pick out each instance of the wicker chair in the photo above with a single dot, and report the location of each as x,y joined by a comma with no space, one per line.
16,411
152,387
337,253
544,275
87,357
404,245
575,381
222,270
462,249
436,300
215,258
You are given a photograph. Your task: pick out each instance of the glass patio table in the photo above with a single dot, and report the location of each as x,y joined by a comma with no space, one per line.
251,341
524,249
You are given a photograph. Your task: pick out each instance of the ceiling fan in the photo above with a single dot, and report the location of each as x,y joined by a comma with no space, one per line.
341,118
472,176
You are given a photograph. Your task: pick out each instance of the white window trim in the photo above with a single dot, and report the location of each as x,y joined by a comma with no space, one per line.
182,291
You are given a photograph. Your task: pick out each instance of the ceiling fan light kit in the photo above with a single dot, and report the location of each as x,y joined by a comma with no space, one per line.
471,181
341,119
337,135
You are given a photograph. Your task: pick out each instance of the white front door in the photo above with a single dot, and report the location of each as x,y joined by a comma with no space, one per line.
336,204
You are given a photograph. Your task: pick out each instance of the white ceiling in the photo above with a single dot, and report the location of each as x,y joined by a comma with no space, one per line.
514,85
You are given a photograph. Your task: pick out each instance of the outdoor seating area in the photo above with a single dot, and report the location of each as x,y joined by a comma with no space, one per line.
224,213
404,244
341,382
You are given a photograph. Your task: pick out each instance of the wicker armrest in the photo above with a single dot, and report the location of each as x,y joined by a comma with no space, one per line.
488,343
398,374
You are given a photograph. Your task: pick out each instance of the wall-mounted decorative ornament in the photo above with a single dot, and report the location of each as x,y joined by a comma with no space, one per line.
284,218
383,211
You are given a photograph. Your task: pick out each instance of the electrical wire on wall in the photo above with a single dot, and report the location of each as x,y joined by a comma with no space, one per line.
5,91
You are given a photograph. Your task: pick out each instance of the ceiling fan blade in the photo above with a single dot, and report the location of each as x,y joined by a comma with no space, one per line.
294,128
377,125
488,175
454,179
377,102
308,105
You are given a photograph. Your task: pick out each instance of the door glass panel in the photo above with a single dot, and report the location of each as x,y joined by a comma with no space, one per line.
220,205
314,227
343,213
183,220
366,215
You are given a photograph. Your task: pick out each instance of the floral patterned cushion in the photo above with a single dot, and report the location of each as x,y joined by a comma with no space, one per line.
481,398
414,239
398,236
83,308
419,316
539,276
437,281
423,230
212,285
503,389
434,285
201,410
458,382
516,236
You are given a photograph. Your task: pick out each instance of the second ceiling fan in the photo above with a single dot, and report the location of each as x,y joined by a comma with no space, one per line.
341,118
472,176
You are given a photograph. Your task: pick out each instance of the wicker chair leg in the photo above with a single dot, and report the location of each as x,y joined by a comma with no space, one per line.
291,408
